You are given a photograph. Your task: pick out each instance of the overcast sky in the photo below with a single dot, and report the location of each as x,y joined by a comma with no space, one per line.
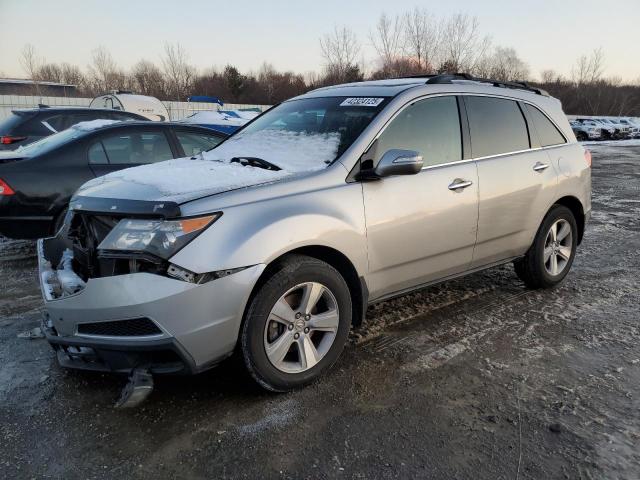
545,33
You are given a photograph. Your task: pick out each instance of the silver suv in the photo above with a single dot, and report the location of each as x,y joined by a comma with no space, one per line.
274,243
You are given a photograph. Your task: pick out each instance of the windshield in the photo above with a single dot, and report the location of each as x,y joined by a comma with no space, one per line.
302,135
52,141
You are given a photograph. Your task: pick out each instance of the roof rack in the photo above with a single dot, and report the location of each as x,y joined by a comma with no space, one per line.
447,78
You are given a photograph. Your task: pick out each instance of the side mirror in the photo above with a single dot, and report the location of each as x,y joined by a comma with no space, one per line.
398,162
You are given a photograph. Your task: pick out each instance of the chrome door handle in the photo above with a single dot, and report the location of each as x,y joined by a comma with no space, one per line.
459,184
539,167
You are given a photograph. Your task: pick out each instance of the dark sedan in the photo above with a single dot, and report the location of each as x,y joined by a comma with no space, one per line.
37,181
29,125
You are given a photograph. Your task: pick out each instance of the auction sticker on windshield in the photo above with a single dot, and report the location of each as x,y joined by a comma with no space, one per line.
361,102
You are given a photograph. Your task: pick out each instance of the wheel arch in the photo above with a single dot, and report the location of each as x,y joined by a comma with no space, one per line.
339,261
573,204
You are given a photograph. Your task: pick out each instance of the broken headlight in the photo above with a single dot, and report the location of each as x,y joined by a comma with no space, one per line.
162,238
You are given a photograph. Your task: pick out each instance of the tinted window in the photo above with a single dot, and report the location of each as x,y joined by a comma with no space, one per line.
194,143
497,126
430,127
97,155
58,122
137,147
547,131
22,124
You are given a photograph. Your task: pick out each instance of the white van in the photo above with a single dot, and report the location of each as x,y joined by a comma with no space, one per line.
149,107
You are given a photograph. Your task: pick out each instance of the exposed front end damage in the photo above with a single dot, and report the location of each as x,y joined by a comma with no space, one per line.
141,321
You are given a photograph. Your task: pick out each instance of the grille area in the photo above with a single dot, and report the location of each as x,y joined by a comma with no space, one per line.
135,327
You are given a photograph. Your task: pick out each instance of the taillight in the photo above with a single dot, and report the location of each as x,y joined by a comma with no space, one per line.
5,189
8,140
587,157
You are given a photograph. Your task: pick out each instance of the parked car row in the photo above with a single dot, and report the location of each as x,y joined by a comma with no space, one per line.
602,128
37,181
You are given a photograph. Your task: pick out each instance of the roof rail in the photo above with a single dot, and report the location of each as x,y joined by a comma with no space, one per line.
446,78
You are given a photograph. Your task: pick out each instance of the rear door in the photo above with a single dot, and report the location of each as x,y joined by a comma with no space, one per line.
517,179
420,227
130,147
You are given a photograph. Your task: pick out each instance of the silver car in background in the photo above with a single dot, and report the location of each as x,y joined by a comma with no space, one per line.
274,243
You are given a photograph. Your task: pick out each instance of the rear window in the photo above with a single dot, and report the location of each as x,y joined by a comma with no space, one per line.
497,126
23,124
547,132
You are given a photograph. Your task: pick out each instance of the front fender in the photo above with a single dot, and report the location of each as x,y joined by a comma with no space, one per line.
259,232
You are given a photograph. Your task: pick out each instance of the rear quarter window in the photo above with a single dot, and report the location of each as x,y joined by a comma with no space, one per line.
497,126
547,132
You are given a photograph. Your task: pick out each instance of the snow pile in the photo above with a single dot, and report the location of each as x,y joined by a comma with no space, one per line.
213,118
212,172
192,176
93,124
291,151
246,114
69,280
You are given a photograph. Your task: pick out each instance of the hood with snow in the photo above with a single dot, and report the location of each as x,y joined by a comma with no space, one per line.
212,172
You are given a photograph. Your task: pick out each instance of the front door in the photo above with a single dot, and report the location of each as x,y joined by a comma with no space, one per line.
421,227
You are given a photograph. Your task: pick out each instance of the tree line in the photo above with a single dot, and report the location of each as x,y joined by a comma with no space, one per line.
415,42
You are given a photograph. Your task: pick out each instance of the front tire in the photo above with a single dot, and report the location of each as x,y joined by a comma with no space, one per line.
550,257
296,324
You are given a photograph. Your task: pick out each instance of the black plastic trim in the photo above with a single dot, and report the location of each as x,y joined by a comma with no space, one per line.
122,207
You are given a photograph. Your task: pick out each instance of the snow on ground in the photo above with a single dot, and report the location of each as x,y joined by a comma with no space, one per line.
615,143
93,124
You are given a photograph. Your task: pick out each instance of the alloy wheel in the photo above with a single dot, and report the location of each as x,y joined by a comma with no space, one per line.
557,247
301,327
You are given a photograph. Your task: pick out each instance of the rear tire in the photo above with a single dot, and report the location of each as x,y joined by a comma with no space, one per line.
296,324
550,257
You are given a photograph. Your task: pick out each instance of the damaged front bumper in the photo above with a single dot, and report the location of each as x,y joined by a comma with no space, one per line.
118,323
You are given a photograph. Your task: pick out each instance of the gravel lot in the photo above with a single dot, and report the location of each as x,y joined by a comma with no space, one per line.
475,378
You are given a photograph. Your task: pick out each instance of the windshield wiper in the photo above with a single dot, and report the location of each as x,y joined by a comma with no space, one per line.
255,162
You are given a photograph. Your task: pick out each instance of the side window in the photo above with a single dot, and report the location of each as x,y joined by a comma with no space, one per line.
497,126
96,154
547,131
430,127
57,122
194,143
137,147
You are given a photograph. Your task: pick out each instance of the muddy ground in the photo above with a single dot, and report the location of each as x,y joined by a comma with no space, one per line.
476,378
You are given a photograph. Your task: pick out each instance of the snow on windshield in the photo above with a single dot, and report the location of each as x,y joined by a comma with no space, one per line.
93,124
291,151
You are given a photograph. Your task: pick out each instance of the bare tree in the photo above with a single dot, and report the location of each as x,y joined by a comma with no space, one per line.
179,74
422,39
503,64
148,79
589,69
340,50
387,39
31,64
464,46
103,71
